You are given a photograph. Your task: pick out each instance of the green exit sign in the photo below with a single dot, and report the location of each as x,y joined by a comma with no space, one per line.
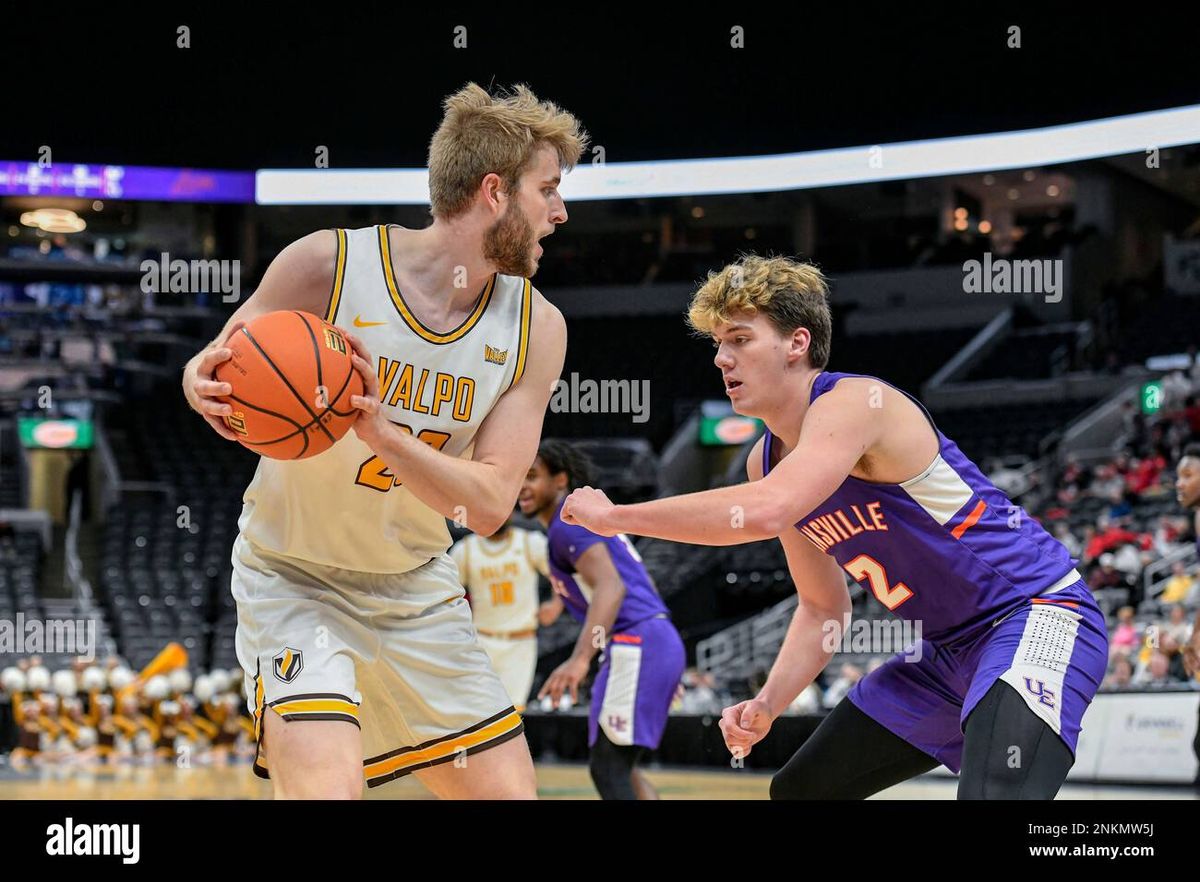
1151,396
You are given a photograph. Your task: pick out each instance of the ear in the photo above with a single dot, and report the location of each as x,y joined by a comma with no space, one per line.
799,345
492,188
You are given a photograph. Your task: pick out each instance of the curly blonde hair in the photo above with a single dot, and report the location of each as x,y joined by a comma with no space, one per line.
792,294
481,134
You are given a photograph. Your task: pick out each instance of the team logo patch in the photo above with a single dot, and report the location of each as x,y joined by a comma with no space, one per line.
495,356
288,664
1044,695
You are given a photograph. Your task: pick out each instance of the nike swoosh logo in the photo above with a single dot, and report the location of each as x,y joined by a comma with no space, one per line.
359,323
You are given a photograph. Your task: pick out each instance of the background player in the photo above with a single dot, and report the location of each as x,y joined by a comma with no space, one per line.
500,573
602,583
853,476
1187,491
352,630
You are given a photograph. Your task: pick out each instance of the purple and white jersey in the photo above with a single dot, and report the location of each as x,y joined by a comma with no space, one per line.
945,547
568,541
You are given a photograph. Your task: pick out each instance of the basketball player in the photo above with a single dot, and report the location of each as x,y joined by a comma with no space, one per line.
853,477
604,585
356,642
500,573
1187,491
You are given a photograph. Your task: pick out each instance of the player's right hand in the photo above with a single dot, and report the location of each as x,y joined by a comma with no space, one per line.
744,725
202,391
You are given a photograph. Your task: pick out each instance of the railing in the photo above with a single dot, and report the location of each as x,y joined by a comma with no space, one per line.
748,646
1150,579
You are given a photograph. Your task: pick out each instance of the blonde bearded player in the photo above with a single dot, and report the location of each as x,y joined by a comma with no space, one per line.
357,644
500,573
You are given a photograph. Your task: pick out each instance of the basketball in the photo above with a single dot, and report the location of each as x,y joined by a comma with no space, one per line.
292,379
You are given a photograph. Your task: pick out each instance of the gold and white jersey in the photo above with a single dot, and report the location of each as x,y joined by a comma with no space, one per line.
343,508
501,578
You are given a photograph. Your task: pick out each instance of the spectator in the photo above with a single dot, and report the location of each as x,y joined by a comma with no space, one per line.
1156,673
1120,674
1125,636
1179,586
850,674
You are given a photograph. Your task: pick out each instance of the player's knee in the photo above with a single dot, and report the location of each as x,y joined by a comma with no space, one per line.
309,786
612,773
792,783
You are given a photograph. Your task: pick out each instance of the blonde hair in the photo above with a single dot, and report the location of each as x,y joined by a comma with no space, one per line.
481,133
790,293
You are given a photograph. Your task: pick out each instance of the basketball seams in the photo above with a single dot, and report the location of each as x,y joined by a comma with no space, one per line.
299,428
288,383
321,375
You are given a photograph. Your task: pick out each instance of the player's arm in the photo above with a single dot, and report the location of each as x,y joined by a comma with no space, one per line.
608,593
478,493
596,567
839,428
300,277
815,631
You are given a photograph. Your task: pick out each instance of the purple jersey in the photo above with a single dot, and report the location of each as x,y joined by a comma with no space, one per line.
568,541
945,547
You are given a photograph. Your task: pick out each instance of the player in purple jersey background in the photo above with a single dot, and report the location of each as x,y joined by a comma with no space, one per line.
602,583
1187,491
854,478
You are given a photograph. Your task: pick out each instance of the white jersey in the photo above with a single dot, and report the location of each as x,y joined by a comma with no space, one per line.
501,578
343,508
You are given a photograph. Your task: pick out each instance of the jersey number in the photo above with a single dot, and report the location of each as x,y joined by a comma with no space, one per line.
374,472
502,593
865,566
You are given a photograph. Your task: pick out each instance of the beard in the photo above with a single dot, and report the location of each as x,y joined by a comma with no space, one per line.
509,243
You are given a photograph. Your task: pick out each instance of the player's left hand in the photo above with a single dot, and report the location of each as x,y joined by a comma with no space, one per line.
589,508
565,678
371,425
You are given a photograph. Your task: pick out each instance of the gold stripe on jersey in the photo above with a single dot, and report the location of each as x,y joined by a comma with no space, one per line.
401,762
258,706
316,707
523,348
414,324
339,276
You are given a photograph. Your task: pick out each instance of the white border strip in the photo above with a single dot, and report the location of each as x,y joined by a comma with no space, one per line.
756,174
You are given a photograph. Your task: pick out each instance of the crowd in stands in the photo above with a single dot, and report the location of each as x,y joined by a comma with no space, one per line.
98,714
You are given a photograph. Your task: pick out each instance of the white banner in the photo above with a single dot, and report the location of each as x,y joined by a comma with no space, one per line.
1140,737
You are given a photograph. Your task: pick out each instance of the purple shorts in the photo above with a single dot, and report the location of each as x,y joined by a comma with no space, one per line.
636,684
1052,649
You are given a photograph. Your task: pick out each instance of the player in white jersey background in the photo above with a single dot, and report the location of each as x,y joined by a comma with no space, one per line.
500,573
356,641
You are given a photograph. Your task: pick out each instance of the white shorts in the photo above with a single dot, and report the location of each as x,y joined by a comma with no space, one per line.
394,654
515,660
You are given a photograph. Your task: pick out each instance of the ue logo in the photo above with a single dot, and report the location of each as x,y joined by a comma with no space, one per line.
617,723
1044,695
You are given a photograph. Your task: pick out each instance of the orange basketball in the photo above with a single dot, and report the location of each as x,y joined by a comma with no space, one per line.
292,380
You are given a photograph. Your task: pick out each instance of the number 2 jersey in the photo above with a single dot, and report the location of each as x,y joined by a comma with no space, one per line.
945,547
343,508
568,542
